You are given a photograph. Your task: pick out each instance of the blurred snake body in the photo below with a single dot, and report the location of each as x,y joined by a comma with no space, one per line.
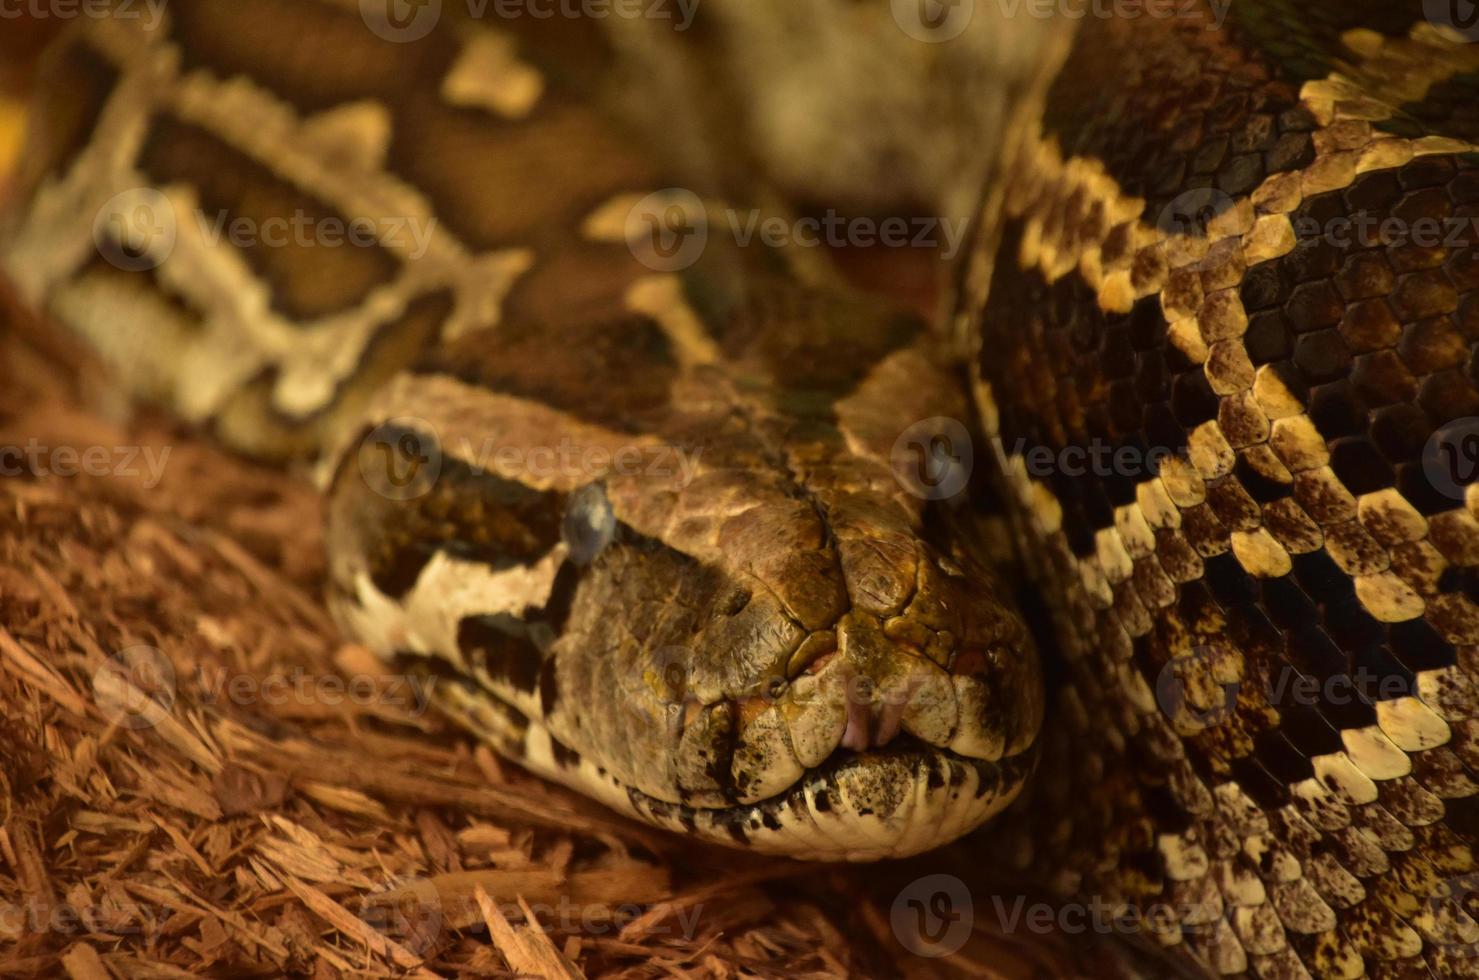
663,520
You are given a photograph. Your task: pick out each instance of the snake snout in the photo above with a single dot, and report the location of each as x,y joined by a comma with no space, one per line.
979,700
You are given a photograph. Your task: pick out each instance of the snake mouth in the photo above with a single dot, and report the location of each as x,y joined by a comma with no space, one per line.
890,802
875,751
877,692
884,802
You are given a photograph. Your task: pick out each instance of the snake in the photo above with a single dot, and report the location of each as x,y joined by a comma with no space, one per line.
1147,554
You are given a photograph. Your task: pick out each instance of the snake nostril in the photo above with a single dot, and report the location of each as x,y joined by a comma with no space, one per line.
734,603
811,652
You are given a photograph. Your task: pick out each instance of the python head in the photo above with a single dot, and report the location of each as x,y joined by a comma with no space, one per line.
717,595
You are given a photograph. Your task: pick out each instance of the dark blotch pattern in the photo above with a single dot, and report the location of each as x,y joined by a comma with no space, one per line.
555,364
1301,40
507,648
72,92
1373,315
1189,108
308,278
466,512
1079,389
845,338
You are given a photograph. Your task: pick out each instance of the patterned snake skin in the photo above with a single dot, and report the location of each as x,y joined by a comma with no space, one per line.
645,515
1246,276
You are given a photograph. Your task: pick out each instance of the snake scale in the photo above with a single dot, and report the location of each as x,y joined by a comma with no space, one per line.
670,528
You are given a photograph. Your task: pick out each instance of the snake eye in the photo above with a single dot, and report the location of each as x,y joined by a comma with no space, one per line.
589,524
